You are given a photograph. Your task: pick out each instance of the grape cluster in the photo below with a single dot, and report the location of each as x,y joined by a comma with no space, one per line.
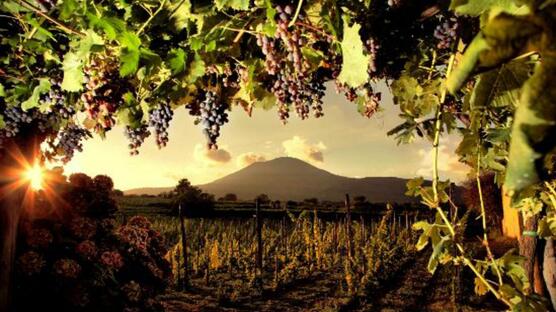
104,90
268,47
372,103
212,115
289,79
446,33
291,38
68,140
159,119
371,48
136,137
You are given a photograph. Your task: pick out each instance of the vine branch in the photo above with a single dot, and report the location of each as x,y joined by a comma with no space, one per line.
50,19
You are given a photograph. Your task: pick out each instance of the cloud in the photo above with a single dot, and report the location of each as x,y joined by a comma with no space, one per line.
211,157
299,148
246,159
449,165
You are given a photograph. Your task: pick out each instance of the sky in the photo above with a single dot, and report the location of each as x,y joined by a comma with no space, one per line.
342,142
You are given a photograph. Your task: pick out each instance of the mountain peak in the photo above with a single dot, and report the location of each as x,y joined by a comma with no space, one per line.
286,178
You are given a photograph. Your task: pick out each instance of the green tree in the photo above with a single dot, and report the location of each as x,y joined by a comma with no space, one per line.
230,197
192,199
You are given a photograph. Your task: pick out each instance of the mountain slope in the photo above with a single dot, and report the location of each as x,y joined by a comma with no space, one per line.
290,178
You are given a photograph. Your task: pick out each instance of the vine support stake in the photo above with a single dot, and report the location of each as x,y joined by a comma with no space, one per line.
185,280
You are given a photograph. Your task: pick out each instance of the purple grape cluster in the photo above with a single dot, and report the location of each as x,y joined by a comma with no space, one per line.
104,90
136,137
212,115
446,33
371,48
289,81
159,119
68,140
291,38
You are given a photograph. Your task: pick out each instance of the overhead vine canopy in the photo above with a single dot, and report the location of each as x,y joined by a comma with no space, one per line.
73,68
134,62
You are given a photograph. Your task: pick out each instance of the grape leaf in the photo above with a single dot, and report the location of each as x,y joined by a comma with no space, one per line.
73,61
67,9
73,72
354,61
111,26
129,54
478,7
234,4
2,91
196,69
534,128
33,100
463,71
177,61
2,122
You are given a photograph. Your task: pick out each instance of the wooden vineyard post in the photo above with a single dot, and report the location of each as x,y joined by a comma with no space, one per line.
259,256
285,234
407,220
348,227
185,280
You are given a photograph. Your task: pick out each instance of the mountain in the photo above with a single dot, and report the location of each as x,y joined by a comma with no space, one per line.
288,178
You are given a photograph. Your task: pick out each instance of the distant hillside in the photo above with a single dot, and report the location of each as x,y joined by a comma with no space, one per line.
148,190
290,178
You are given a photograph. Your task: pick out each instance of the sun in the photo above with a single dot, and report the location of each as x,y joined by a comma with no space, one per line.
35,176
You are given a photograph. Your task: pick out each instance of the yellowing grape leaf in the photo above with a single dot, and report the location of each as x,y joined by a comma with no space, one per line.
478,7
33,100
354,61
234,4
534,128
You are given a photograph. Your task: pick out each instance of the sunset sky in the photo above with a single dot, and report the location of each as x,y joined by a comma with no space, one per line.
342,142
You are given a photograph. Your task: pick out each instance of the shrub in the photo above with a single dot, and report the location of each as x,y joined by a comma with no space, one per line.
74,258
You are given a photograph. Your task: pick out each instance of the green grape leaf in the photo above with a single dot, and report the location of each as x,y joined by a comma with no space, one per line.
111,26
176,61
437,251
467,65
129,54
72,63
354,62
196,69
269,27
478,7
2,91
33,101
67,9
2,122
73,72
534,128
234,4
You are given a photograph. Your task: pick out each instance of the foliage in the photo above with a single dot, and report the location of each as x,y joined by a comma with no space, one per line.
71,256
124,62
191,198
297,248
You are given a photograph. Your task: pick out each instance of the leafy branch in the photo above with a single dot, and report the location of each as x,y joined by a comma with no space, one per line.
59,24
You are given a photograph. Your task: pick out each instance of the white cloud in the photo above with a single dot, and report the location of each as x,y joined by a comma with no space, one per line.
448,164
247,159
299,148
211,157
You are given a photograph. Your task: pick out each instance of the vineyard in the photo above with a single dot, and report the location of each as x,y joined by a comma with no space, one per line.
478,73
308,263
